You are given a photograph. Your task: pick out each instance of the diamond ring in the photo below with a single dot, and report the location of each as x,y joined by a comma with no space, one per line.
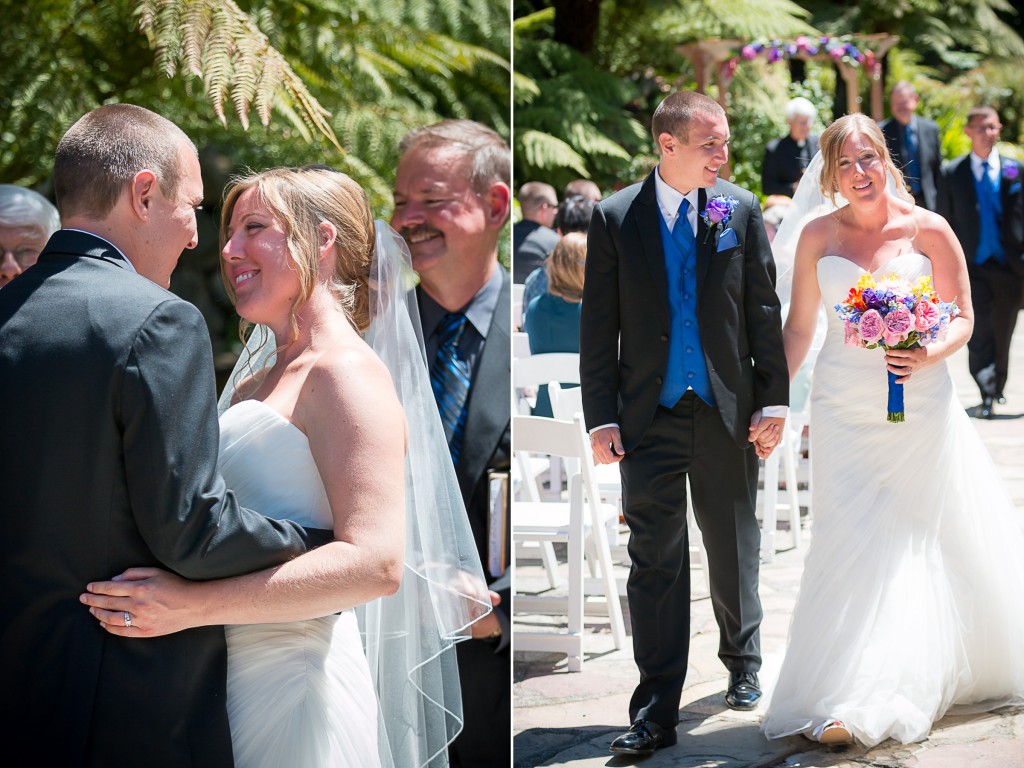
127,619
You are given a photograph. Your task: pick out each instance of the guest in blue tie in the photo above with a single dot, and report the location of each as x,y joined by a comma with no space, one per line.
452,198
552,320
981,197
914,144
682,365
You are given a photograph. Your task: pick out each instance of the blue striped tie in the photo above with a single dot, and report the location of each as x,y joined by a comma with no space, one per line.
449,378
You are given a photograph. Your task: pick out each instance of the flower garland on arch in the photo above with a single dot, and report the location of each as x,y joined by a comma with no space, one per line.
844,49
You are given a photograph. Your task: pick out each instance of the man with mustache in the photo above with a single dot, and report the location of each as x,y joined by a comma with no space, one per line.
452,198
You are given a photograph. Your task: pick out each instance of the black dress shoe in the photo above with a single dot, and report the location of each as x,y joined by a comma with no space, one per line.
985,409
744,690
643,738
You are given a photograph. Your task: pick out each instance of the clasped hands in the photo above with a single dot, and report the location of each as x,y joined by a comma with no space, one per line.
765,433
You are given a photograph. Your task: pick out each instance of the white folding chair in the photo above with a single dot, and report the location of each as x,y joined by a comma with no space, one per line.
566,403
530,372
520,344
517,305
574,521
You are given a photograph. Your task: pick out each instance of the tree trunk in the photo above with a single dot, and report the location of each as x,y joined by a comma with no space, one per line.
576,23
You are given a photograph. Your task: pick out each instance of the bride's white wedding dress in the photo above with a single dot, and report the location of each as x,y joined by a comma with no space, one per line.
911,596
299,694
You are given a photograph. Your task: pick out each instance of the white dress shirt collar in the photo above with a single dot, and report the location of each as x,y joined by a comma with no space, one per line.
989,165
669,199
126,259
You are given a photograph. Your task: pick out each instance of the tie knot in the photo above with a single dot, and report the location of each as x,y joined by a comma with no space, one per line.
684,208
450,327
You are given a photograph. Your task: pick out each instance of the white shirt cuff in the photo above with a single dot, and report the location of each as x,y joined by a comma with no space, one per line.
775,411
603,426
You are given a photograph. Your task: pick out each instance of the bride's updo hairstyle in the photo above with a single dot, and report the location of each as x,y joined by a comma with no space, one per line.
301,199
831,142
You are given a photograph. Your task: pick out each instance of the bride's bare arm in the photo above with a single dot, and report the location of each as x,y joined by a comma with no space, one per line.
805,299
356,430
936,240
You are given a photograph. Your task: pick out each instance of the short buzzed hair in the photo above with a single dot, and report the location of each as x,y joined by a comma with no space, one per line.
101,153
674,115
584,187
983,112
533,195
489,154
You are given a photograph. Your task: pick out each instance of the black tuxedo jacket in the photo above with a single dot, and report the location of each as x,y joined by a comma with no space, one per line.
624,326
958,202
929,148
109,449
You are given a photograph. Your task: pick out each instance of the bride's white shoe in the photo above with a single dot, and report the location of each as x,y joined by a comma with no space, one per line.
832,732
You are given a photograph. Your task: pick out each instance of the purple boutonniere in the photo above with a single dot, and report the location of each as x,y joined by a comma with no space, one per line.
717,213
1010,169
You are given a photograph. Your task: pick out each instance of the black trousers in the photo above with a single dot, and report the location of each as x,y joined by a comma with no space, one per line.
485,678
996,296
689,444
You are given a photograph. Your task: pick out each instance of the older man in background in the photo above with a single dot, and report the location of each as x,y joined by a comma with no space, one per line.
27,219
534,236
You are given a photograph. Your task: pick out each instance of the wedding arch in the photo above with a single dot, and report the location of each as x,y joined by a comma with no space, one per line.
851,54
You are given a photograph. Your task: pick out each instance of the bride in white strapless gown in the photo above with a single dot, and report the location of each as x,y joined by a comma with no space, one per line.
910,600
299,693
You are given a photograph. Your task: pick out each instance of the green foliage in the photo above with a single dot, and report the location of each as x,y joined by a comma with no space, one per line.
361,71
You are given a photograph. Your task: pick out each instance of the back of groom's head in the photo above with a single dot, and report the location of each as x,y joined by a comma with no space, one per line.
101,153
676,111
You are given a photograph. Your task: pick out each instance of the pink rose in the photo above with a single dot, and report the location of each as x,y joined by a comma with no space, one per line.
899,321
871,326
926,315
850,339
748,52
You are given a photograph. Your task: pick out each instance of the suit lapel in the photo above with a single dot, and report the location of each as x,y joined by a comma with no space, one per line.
489,407
705,250
648,220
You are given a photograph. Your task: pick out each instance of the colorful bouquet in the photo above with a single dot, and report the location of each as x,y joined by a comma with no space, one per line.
892,314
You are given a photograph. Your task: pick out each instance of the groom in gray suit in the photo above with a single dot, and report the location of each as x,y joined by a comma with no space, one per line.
110,461
681,360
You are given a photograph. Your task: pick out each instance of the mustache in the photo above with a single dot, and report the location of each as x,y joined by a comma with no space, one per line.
422,229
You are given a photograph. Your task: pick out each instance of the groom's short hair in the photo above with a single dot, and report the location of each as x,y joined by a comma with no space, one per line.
674,115
101,153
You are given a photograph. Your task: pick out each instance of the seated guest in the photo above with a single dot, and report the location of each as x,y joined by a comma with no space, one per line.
534,236
785,159
552,319
573,215
27,219
584,187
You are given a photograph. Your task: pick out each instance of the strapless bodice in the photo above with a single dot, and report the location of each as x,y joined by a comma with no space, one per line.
265,460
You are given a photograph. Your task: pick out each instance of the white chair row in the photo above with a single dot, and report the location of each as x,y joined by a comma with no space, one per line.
580,522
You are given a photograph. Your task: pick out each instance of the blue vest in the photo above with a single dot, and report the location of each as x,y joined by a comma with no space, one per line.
686,364
990,214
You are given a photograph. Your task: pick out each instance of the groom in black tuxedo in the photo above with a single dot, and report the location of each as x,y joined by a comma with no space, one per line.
681,358
110,461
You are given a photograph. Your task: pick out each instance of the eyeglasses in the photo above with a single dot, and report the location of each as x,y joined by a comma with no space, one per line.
24,255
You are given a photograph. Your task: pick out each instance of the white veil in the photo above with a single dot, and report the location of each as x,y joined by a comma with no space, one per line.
410,636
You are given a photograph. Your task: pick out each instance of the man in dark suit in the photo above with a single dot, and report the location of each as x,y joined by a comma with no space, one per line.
913,142
534,237
786,159
981,197
110,461
681,357
465,305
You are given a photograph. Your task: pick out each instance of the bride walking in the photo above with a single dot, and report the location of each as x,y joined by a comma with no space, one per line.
327,664
910,602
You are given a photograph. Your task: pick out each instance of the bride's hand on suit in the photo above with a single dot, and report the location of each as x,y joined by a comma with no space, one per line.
155,601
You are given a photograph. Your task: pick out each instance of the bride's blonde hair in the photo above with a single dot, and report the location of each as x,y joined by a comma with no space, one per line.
302,199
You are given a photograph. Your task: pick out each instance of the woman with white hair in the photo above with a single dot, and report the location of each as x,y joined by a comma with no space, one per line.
785,159
27,219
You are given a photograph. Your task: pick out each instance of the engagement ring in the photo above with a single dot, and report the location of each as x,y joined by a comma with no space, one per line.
127,619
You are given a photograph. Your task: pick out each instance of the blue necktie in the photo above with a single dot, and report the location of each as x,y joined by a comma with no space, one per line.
449,378
913,167
682,232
